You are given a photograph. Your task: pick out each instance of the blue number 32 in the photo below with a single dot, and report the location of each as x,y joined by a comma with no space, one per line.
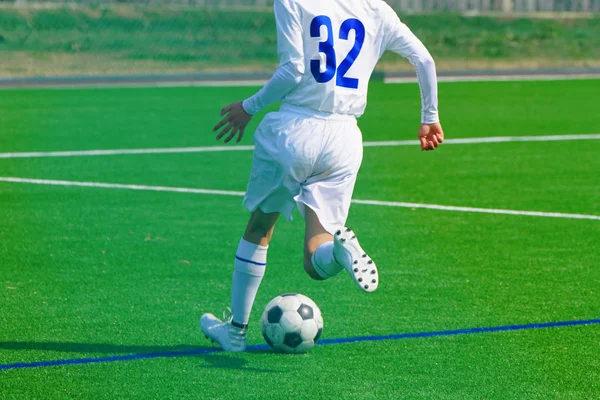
326,48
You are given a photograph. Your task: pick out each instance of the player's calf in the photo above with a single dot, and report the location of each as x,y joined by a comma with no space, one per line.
319,262
310,269
260,227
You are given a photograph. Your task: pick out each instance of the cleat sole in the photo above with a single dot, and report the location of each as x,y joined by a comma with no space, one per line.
361,267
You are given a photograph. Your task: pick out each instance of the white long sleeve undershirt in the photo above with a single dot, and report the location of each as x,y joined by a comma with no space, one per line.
401,40
283,81
427,78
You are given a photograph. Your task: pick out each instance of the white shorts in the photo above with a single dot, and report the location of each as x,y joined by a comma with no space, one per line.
305,158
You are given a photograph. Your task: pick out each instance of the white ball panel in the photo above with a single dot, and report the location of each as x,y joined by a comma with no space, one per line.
319,321
291,321
309,330
289,303
317,314
264,320
304,347
275,333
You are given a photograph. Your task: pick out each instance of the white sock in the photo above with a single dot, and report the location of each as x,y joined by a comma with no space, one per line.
248,271
324,262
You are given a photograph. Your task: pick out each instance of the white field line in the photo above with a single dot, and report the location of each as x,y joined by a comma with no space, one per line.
83,85
236,193
120,186
138,85
498,139
476,210
36,154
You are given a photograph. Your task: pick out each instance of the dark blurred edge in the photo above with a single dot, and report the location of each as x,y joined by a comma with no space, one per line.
257,79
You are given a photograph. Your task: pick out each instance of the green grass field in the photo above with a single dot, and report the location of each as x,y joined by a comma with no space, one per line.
97,272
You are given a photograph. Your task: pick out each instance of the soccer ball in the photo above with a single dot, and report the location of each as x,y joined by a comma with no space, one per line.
292,323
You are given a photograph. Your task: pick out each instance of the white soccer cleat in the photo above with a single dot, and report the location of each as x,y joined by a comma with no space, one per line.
351,256
225,333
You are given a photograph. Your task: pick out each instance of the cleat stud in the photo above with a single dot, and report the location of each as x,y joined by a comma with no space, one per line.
342,240
338,233
370,262
360,279
355,262
364,255
366,286
373,281
353,237
373,272
348,229
355,269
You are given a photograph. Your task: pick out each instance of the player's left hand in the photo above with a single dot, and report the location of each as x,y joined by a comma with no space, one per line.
430,136
236,119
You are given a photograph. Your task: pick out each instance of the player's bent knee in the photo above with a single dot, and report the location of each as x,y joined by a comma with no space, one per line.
310,269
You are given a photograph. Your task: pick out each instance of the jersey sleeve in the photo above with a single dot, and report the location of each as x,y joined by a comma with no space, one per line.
400,39
290,48
290,45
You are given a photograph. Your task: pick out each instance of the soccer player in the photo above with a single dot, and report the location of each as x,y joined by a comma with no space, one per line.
309,152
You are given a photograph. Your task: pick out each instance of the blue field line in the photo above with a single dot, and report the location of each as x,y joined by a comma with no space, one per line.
461,331
202,351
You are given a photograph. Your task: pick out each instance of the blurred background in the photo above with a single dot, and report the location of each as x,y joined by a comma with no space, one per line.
238,36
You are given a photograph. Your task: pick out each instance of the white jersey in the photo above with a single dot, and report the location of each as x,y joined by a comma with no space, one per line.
328,51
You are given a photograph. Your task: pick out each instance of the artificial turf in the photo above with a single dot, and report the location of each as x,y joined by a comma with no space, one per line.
92,272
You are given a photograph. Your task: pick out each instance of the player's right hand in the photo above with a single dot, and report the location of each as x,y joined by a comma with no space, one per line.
430,136
235,121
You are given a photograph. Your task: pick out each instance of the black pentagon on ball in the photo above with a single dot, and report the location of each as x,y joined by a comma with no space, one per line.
274,314
292,339
306,312
316,339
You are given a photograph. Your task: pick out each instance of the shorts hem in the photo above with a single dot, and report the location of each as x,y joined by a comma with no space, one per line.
286,212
